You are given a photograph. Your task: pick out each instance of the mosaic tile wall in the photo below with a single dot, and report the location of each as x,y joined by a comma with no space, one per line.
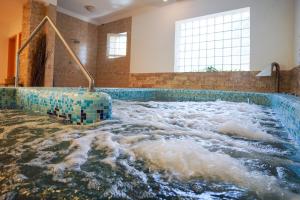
7,98
133,94
288,109
77,107
287,106
186,95
212,95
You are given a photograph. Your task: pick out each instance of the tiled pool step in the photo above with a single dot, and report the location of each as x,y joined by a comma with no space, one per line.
75,106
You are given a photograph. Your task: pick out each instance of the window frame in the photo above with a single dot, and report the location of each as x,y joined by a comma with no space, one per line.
178,37
108,46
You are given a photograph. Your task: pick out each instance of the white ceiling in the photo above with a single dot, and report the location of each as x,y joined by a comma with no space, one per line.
104,8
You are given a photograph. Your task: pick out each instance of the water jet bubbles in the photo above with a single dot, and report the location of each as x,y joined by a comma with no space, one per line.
195,150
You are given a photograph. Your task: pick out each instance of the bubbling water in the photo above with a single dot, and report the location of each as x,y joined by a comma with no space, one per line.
215,142
247,130
192,160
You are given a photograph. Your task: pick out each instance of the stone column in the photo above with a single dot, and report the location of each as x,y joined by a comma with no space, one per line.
33,12
49,70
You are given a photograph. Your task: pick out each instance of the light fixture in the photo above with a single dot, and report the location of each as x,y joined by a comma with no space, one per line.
90,8
165,0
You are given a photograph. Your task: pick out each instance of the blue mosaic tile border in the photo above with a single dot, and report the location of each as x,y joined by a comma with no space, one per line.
137,94
287,108
74,106
7,98
213,95
134,94
78,107
81,107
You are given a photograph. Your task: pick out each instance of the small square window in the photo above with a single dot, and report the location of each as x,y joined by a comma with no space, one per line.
116,45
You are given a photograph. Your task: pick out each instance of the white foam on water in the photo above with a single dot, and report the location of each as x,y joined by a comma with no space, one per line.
170,119
175,137
79,149
187,159
131,170
112,147
244,129
225,117
181,158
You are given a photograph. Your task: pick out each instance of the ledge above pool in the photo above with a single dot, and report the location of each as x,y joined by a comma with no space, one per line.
75,106
81,107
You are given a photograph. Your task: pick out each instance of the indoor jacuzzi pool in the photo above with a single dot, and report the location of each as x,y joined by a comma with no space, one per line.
152,149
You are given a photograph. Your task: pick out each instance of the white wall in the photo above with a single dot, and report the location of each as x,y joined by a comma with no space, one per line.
297,33
10,24
272,32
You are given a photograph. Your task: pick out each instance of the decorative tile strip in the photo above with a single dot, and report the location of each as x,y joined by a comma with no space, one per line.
7,98
287,108
137,94
80,107
77,107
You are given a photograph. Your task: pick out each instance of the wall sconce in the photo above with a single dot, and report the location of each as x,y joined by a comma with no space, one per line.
75,41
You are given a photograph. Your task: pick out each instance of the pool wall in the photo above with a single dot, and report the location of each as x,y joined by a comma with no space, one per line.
213,95
7,98
81,107
287,108
133,94
186,95
74,106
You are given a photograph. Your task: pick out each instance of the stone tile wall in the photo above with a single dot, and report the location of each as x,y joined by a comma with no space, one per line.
90,44
82,38
23,71
33,12
113,72
235,81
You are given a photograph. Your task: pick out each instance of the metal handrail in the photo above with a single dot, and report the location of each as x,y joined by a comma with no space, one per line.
277,69
70,51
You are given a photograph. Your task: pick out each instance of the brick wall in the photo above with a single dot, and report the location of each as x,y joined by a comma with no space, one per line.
239,81
82,38
295,81
91,49
113,72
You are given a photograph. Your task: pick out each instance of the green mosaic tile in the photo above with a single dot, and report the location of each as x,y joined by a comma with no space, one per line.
81,107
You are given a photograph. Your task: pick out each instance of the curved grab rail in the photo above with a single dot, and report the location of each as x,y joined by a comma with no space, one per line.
70,51
277,69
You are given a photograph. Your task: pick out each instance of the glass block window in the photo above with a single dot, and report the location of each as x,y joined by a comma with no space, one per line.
218,42
116,45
